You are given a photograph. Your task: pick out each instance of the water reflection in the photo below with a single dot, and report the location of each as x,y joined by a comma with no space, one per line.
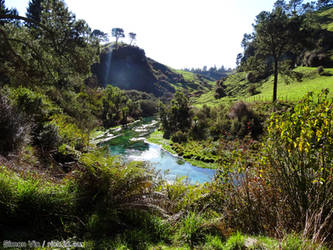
131,145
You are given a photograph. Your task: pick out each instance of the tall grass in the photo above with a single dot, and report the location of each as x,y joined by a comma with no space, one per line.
30,204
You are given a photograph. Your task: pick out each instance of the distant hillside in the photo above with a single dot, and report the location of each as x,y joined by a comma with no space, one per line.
237,87
127,67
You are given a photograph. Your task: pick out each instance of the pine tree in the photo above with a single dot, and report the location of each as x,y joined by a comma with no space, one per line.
34,11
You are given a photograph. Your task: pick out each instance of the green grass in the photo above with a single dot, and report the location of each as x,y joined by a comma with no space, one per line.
237,86
193,77
32,205
295,90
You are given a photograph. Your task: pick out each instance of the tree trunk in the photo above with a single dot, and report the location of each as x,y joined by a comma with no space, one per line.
275,79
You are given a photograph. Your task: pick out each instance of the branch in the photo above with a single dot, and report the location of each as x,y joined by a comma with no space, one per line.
3,33
41,62
29,20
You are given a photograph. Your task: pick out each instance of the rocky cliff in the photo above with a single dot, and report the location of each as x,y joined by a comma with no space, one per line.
127,67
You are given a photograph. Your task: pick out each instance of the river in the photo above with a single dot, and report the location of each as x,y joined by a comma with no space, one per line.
131,144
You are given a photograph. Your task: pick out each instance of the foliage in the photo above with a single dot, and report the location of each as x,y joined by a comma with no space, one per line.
179,137
117,33
40,54
118,108
320,70
30,204
287,184
189,230
69,131
244,121
219,93
183,195
299,149
176,116
148,107
14,130
235,242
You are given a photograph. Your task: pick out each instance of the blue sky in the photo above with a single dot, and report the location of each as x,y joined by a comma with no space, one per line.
178,33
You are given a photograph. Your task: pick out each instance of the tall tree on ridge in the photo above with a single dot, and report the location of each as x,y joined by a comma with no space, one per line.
132,37
118,33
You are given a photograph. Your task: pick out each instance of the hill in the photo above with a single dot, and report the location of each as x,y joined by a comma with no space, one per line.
293,84
127,67
237,87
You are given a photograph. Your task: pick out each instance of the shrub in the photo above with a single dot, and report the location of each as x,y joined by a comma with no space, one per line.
33,207
299,151
148,107
14,131
69,132
48,137
245,121
179,137
253,90
320,70
37,106
110,191
220,92
288,185
251,77
190,229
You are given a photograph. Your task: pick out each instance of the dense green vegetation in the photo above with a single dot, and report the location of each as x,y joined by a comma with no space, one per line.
273,186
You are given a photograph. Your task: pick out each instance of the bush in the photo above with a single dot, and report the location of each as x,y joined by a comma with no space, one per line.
14,131
190,230
299,151
253,90
48,137
36,106
320,70
244,121
179,137
34,208
219,93
288,186
148,107
251,77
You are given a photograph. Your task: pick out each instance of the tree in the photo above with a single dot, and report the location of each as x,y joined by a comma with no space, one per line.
99,35
239,59
177,116
132,37
280,4
34,12
275,35
324,3
56,50
6,11
118,33
295,6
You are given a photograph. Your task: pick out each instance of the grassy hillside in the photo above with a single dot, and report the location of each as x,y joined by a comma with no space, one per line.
295,90
291,90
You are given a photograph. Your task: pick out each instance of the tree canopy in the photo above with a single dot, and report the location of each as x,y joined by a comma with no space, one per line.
118,33
58,47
